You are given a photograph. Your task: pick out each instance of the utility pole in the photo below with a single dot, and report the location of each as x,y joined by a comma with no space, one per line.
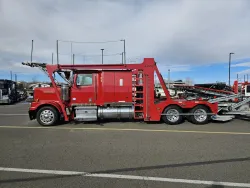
102,55
124,50
31,54
168,78
71,51
237,77
229,67
11,75
244,78
52,58
57,57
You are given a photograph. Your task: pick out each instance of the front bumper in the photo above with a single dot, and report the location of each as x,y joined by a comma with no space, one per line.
32,114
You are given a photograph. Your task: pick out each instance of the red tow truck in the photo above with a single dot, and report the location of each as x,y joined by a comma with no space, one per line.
118,91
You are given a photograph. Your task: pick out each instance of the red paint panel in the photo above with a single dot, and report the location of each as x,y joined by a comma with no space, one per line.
46,93
108,88
123,86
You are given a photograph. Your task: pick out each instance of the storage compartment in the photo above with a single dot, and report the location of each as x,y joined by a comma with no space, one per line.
116,86
86,113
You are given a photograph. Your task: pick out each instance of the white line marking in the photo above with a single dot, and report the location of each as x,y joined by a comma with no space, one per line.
14,114
58,172
130,177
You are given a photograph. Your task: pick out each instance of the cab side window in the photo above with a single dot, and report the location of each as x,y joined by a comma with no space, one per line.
84,79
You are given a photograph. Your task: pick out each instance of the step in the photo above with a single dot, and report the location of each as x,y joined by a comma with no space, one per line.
138,111
141,105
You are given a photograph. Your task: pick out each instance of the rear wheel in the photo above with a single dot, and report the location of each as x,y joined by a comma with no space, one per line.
47,116
172,115
200,115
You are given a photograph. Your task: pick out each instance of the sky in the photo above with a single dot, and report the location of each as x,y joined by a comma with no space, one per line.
192,38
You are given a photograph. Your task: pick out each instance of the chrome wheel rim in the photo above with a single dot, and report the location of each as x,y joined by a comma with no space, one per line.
200,115
173,115
47,117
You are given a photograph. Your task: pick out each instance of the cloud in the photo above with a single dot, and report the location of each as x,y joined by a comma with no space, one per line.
246,64
244,72
184,32
174,68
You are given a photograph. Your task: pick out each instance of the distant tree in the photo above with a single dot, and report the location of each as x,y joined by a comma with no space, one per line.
189,81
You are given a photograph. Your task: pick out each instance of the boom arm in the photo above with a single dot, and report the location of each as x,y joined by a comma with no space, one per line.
41,66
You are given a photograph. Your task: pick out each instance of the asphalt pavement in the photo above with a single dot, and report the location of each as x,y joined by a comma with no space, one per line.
121,154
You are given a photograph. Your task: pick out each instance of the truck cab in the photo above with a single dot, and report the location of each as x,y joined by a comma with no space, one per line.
8,92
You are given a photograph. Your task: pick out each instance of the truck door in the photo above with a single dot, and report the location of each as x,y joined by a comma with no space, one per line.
85,90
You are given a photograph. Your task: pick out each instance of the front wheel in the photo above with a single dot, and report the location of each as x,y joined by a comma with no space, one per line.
200,115
47,116
172,115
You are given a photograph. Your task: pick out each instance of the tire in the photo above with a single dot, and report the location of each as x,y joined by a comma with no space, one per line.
51,118
199,119
172,120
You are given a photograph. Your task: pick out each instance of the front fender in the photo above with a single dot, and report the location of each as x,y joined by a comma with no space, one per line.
35,106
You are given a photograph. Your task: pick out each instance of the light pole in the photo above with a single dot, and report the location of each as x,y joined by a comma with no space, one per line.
31,54
229,67
57,53
71,51
102,55
122,57
168,78
124,50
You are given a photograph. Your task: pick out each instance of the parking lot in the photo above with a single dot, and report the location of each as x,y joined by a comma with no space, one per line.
121,154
